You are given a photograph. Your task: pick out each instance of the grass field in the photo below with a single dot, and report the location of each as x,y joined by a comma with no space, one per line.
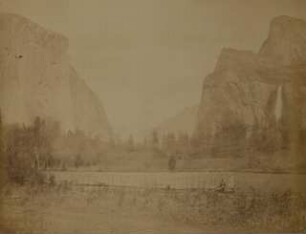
71,206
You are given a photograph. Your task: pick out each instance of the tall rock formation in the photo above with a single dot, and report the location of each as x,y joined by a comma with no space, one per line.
36,79
257,100
286,41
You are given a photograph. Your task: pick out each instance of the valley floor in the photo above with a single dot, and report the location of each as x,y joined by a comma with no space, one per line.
69,208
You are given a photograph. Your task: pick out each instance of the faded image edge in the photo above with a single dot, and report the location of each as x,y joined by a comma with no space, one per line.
233,163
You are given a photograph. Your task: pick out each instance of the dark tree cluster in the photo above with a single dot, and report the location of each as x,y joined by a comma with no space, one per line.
26,150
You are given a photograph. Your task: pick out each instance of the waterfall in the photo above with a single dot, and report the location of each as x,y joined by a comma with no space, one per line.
278,104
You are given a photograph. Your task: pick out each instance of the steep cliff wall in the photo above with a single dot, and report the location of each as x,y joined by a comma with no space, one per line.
257,100
36,79
286,41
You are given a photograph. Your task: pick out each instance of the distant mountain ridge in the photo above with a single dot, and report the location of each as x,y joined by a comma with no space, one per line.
37,80
182,122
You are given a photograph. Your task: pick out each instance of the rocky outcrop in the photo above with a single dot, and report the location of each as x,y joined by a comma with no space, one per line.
257,100
37,80
286,41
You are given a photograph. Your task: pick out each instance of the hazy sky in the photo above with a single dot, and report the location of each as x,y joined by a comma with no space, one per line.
147,59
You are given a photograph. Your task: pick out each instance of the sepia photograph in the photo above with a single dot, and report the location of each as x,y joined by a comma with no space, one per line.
152,116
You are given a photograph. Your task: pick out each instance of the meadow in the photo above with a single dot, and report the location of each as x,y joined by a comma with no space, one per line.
64,204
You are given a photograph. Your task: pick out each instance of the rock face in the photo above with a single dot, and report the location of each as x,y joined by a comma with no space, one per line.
257,100
37,80
286,41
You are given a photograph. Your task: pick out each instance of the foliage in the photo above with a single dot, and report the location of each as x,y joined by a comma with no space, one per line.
171,163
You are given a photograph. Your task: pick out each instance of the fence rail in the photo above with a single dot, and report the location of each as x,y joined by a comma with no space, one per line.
183,180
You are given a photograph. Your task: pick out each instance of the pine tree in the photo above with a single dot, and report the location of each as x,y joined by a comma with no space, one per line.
3,173
131,143
155,140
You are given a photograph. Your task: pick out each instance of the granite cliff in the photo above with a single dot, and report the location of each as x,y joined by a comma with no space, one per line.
37,80
257,100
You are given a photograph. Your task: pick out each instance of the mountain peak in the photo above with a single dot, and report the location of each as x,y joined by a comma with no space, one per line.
285,19
232,58
26,31
286,42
